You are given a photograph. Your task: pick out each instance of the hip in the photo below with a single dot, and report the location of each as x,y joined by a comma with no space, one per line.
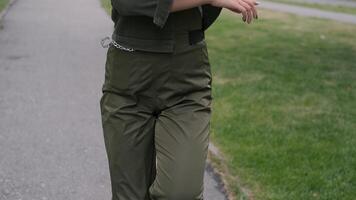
164,75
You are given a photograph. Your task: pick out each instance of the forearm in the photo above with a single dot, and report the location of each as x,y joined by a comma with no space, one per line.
178,5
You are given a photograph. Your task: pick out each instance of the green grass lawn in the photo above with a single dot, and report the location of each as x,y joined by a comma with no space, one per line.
326,7
3,4
284,108
107,5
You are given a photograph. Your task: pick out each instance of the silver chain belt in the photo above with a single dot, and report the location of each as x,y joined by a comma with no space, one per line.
107,41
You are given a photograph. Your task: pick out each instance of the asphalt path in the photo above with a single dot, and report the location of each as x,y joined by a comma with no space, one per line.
51,73
346,3
310,12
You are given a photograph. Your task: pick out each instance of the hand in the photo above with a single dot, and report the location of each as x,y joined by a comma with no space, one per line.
246,7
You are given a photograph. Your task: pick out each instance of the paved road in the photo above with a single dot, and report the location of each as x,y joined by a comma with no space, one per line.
346,3
299,10
51,71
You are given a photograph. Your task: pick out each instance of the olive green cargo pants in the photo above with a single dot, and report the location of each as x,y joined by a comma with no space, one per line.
156,110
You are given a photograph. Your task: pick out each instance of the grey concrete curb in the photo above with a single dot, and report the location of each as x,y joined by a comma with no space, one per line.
212,171
6,9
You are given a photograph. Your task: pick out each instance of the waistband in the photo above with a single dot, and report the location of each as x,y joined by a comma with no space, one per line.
180,41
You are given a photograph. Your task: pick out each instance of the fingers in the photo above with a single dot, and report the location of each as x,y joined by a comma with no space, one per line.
246,7
249,12
252,5
239,8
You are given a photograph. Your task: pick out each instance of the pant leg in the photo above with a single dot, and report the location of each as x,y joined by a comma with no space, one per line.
182,128
129,144
128,125
181,144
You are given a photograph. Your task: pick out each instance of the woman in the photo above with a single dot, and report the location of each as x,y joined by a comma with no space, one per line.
156,103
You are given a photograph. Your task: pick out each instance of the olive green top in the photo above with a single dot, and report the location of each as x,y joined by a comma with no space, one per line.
148,24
